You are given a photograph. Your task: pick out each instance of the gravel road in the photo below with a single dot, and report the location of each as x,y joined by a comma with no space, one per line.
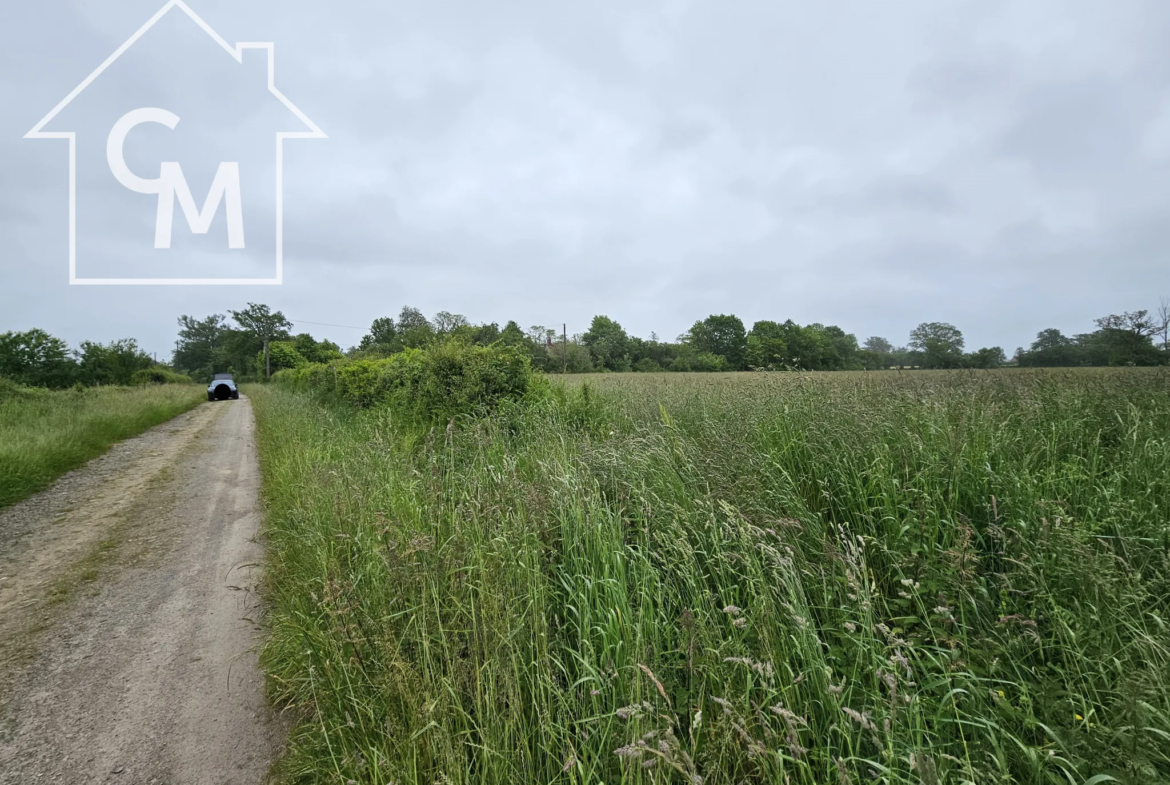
128,620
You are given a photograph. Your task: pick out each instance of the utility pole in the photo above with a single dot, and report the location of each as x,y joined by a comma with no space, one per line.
564,349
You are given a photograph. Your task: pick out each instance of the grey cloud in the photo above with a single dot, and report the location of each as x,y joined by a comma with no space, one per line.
982,162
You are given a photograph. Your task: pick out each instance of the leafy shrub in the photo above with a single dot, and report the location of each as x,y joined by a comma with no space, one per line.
281,355
437,383
159,375
10,389
699,361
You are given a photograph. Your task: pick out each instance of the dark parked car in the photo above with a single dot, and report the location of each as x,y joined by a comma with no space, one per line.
222,387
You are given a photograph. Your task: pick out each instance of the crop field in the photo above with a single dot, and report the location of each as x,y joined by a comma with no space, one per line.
44,433
922,577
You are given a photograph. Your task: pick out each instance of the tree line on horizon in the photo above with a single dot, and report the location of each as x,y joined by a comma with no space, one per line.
720,342
35,358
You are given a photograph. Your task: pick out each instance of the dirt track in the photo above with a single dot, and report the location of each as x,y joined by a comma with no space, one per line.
128,622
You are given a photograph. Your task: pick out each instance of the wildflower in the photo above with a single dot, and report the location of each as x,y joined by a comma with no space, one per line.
1079,717
732,609
740,623
850,626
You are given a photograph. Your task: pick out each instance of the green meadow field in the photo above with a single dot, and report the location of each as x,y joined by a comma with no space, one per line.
937,577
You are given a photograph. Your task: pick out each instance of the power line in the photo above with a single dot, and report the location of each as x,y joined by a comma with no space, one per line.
326,324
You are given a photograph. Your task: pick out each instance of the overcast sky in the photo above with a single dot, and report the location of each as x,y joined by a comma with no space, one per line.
1001,166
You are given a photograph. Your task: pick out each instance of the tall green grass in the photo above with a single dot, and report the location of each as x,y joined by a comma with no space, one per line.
919,578
44,434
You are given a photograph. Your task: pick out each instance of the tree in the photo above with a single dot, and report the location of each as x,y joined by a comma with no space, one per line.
1123,339
199,342
383,333
1163,324
1138,323
414,331
113,363
941,344
766,346
689,359
1051,349
877,354
608,344
36,359
991,357
281,355
446,322
315,351
485,334
722,335
572,357
844,354
265,324
410,318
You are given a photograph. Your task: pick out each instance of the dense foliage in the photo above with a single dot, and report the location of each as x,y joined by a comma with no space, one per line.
159,375
261,342
36,359
1127,339
722,343
900,578
209,346
448,379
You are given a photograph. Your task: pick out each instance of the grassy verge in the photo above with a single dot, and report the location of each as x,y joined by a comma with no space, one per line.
44,434
785,578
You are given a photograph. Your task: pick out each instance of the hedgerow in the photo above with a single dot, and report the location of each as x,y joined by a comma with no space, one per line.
159,376
437,383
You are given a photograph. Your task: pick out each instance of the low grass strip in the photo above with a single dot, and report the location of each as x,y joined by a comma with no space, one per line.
44,434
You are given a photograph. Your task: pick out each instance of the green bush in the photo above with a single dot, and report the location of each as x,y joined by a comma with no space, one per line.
10,389
281,355
699,361
159,375
437,383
